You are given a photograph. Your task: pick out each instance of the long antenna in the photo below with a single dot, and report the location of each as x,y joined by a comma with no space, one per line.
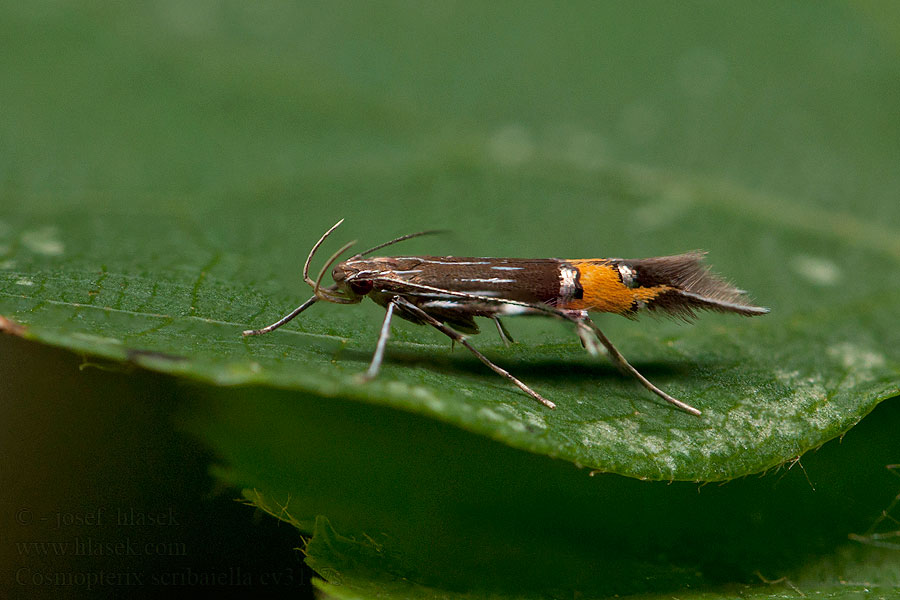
312,252
337,299
402,238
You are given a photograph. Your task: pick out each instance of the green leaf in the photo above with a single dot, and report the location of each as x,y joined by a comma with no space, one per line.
401,506
168,279
136,285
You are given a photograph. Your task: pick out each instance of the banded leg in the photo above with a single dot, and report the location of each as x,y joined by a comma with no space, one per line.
458,337
375,365
584,321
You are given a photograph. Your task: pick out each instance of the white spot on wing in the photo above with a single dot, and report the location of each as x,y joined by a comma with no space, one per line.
489,280
508,268
627,274
450,261
567,276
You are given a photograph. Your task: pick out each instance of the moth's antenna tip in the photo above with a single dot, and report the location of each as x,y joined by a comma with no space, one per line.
249,332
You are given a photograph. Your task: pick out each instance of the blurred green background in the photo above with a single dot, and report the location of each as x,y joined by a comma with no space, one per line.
155,141
225,99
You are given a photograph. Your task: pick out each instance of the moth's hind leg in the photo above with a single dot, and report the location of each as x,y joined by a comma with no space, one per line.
504,334
454,335
590,334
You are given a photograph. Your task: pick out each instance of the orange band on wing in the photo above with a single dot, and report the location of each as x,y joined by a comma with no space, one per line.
604,290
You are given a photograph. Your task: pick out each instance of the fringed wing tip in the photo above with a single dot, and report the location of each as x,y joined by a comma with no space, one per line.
691,286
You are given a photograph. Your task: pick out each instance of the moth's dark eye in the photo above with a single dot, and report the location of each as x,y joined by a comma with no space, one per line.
361,287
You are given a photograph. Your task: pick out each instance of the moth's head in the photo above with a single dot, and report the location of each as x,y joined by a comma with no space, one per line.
353,279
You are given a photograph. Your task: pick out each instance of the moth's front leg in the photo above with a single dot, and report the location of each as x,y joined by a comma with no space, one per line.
375,365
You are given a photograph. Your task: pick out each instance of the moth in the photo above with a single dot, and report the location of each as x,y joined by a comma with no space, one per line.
448,293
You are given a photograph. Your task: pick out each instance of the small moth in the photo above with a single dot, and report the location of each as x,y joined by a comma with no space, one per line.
448,292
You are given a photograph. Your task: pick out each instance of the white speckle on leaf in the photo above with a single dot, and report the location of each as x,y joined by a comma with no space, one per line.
858,362
519,419
99,339
430,400
805,392
511,145
808,397
518,426
396,387
420,393
596,432
817,270
535,420
43,241
24,281
854,357
489,414
625,433
824,415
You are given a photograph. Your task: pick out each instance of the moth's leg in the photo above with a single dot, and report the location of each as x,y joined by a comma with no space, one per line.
586,335
619,360
504,334
283,320
375,365
458,337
